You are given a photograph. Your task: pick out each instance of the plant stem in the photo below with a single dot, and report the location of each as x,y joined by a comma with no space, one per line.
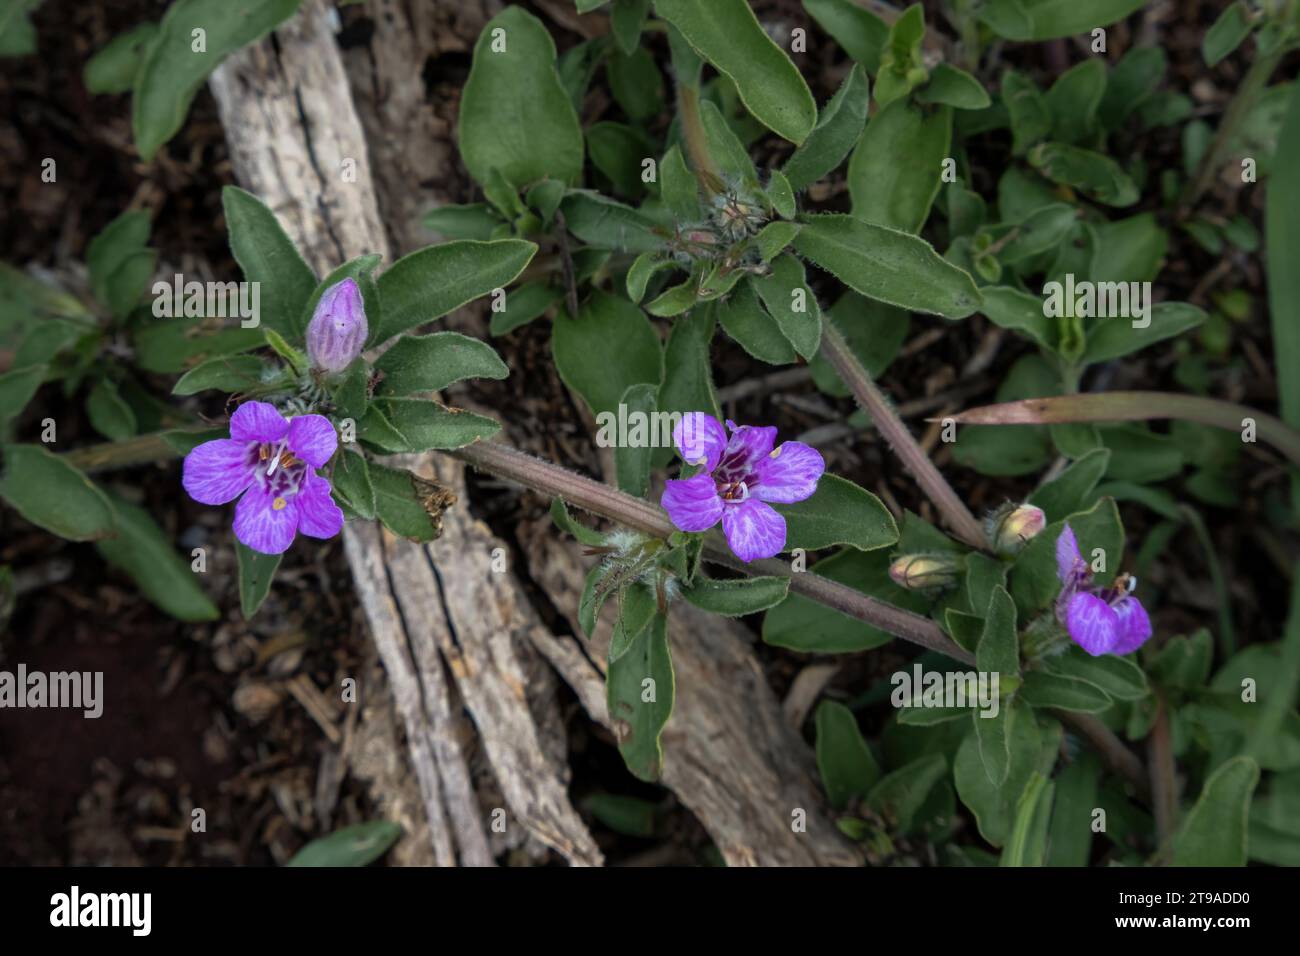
640,515
140,450
593,496
697,144
1164,802
1243,102
888,423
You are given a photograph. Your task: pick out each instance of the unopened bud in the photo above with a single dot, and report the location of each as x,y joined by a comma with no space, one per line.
926,572
1011,528
338,328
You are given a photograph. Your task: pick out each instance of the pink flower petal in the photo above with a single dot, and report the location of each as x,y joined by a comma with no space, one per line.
318,515
312,438
262,526
1134,625
749,445
789,474
753,529
1069,562
692,503
1092,623
218,471
700,439
257,421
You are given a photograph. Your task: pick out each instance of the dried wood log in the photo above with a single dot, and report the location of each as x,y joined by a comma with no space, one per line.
291,124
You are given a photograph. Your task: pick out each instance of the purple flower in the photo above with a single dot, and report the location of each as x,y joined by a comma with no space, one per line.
741,475
1100,620
272,462
338,329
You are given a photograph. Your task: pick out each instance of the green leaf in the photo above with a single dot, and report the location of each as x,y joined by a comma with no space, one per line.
900,795
636,83
844,761
357,845
636,609
113,68
607,224
1027,842
737,597
172,70
1131,83
1069,840
351,483
17,34
617,150
726,33
627,20
887,265
861,33
429,363
1095,175
1052,19
1111,338
227,373
743,317
109,413
17,388
998,652
804,625
898,194
515,115
608,347
839,512
781,194
632,460
1227,33
1129,250
565,522
1073,101
902,67
268,257
640,699
1214,833
144,552
1042,689
1282,251
688,378
429,283
1117,677
1071,490
950,86
1031,120
524,303
792,304
417,424
993,805
397,504
472,221
630,816
53,495
681,192
838,129
256,572
1012,309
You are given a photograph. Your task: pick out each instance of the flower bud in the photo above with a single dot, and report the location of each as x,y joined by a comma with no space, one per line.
1011,528
338,329
926,572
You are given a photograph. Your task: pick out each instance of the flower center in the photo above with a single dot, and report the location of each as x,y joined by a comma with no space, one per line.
277,471
733,490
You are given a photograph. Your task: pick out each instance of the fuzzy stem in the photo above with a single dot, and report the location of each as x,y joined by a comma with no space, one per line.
641,515
1243,102
697,144
1164,801
888,423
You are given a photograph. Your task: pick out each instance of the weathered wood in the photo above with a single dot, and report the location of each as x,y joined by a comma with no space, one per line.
452,633
292,128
